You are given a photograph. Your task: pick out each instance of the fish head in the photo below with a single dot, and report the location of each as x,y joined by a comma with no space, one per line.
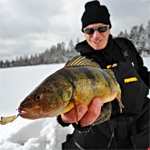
45,101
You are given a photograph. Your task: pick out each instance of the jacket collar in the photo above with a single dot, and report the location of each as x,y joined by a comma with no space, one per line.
84,48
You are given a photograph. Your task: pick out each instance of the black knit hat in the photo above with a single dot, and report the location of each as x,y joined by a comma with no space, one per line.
95,13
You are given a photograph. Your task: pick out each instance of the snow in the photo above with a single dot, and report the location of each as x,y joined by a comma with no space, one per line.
23,134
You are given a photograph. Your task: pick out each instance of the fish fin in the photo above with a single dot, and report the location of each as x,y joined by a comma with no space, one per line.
76,111
81,61
119,99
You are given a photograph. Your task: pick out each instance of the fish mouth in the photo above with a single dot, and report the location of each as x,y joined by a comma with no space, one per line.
27,114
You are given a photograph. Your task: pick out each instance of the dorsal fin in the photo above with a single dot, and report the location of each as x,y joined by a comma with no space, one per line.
81,61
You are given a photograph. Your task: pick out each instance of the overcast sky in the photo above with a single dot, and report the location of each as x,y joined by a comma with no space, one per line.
32,26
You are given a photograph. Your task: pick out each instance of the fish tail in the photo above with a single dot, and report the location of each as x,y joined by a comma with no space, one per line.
76,111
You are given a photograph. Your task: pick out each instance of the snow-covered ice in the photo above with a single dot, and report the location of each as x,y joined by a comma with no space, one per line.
23,134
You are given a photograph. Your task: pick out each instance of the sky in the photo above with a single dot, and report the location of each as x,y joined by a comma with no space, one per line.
32,26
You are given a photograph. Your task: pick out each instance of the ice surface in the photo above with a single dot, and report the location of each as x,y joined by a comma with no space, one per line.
23,134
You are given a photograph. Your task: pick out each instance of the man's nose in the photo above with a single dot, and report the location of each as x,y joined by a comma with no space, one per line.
96,34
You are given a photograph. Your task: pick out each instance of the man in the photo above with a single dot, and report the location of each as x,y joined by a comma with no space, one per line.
127,130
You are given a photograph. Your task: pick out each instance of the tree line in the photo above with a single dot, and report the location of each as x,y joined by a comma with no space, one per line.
139,35
56,54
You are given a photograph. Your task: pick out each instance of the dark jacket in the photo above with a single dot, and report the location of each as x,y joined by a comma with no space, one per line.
131,128
112,54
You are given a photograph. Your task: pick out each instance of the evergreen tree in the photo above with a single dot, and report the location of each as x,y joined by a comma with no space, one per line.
70,45
1,64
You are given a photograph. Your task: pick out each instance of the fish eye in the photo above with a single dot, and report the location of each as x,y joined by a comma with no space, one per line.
38,96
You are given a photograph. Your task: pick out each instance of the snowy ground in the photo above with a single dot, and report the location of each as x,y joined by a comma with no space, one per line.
22,134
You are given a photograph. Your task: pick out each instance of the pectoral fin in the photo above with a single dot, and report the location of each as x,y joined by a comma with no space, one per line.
76,111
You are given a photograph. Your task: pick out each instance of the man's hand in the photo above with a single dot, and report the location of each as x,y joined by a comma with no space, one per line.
86,115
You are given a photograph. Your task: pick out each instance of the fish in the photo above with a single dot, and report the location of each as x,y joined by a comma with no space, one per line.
78,82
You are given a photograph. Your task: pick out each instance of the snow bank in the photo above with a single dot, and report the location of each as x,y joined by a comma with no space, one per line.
42,134
23,134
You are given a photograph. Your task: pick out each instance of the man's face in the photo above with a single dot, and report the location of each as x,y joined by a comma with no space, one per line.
97,40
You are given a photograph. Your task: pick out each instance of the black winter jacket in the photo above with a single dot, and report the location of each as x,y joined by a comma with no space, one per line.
121,131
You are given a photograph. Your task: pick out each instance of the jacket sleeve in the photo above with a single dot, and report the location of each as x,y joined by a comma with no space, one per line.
61,122
139,65
78,127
